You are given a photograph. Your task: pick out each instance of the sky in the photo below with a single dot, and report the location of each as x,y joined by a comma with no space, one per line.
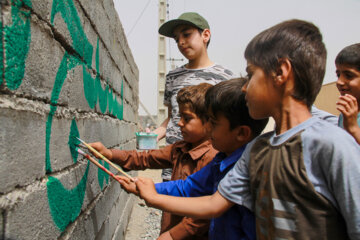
233,23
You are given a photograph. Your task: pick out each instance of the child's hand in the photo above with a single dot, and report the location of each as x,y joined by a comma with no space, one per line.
165,236
348,106
127,185
101,149
146,189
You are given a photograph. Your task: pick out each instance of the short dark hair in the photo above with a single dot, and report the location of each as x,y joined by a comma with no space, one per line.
227,98
301,43
201,31
194,98
349,56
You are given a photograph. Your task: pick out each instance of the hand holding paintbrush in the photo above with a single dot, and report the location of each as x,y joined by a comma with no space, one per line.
100,148
99,155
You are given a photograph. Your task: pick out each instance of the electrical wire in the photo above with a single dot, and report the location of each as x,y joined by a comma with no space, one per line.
137,20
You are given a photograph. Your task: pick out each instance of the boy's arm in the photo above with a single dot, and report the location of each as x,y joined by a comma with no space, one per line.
140,160
199,207
341,167
134,160
161,130
348,106
197,184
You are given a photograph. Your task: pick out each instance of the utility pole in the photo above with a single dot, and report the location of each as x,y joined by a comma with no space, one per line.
161,109
173,60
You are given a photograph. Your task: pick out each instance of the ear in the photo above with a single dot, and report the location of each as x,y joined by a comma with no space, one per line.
244,134
283,72
206,34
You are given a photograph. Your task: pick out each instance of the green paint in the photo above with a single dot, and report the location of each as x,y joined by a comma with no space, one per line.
103,175
73,141
65,205
111,101
1,49
17,39
68,62
101,93
89,89
69,13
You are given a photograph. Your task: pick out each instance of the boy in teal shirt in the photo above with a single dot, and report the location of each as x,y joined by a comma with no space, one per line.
348,72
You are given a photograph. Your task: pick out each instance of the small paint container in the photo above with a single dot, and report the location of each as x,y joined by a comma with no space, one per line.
145,140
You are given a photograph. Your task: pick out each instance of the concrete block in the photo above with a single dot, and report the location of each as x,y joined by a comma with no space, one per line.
62,31
41,64
42,9
129,113
91,222
91,129
77,98
60,155
28,217
104,233
2,222
119,233
131,77
22,135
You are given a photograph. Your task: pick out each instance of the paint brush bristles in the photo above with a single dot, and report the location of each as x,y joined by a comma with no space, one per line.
105,159
97,164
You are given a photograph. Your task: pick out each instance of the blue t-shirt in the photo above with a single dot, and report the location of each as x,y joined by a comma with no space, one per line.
236,223
332,163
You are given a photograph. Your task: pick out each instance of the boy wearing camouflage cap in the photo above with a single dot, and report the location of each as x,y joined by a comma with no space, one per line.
192,34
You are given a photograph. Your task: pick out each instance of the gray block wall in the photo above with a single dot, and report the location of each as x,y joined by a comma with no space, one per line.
65,70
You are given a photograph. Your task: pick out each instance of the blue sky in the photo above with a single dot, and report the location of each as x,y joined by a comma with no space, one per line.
233,24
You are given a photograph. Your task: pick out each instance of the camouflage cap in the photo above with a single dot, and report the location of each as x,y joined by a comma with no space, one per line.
188,18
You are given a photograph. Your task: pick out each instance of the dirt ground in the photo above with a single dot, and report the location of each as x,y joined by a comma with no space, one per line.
144,222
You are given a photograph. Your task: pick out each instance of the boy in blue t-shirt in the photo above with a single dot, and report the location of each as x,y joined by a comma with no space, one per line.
348,72
302,179
231,129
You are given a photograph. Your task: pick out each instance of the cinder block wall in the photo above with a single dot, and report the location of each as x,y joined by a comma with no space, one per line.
66,70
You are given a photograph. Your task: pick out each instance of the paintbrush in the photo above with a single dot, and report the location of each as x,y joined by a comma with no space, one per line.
96,163
105,159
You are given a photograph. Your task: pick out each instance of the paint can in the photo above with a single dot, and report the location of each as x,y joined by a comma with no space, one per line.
145,141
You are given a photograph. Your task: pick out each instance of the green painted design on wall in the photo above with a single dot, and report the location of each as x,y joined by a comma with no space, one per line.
73,141
102,175
69,13
17,37
1,49
102,93
89,89
72,200
65,205
68,62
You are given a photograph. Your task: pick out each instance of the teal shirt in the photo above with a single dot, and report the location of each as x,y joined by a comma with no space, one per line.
341,120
